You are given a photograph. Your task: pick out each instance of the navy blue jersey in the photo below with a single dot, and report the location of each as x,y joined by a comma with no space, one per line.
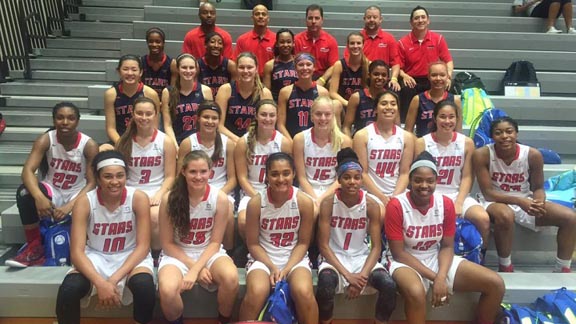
424,119
123,106
350,81
157,79
283,74
184,119
298,109
240,111
214,78
366,110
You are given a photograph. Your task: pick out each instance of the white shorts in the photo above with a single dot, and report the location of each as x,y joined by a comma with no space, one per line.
243,203
168,260
257,265
520,216
468,202
59,197
354,267
425,282
107,264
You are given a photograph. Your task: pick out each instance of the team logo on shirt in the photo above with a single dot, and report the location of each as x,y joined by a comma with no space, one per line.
382,45
324,49
208,206
269,49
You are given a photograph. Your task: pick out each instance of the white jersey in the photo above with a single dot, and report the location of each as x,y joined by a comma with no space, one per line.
422,232
450,160
66,169
279,227
201,223
319,162
513,178
111,232
257,169
384,157
218,174
349,228
146,165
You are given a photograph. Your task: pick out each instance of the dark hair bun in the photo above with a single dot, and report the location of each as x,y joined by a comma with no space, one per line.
425,155
346,154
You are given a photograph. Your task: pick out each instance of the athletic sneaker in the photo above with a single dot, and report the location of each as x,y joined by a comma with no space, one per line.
30,254
571,30
509,268
563,270
553,30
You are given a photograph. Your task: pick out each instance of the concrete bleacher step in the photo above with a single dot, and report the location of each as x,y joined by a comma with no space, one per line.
7,199
100,26
109,14
68,64
69,75
89,53
44,89
43,118
29,134
39,101
116,3
79,43
14,153
549,111
10,175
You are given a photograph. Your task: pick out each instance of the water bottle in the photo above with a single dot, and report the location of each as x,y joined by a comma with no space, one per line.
62,262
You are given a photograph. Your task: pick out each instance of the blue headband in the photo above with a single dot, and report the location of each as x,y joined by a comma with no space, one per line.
304,56
346,166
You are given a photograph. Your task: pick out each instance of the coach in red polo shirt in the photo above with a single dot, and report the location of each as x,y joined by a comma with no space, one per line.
260,40
415,53
194,39
317,42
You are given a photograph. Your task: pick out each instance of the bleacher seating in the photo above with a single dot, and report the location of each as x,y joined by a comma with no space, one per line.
481,35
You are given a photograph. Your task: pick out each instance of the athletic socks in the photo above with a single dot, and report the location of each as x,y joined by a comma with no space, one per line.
505,262
562,265
32,234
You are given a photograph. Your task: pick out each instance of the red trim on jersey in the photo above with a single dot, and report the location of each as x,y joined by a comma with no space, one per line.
360,195
164,56
435,138
101,201
517,152
154,135
273,135
290,194
423,212
394,130
367,93
221,58
138,89
312,136
198,138
206,193
427,95
378,131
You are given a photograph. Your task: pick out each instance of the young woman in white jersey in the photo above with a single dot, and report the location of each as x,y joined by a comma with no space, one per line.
280,222
453,153
110,246
221,151
193,218
315,151
349,264
420,227
251,153
151,157
511,178
62,156
384,150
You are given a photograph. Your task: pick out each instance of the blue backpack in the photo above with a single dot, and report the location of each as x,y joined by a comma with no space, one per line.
467,241
516,314
561,304
480,127
279,308
56,240
561,189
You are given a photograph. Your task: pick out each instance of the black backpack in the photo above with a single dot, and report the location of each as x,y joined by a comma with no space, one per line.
520,73
466,80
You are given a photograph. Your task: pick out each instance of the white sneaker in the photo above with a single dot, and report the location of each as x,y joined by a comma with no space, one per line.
553,30
571,30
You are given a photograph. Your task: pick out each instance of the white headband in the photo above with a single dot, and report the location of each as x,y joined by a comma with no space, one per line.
108,162
424,163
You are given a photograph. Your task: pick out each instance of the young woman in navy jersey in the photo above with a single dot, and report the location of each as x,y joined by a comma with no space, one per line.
119,99
349,263
251,153
221,151
180,103
110,246
278,251
239,97
193,218
384,150
159,69
280,71
62,157
315,151
151,157
361,106
215,69
422,105
349,75
453,153
420,226
295,100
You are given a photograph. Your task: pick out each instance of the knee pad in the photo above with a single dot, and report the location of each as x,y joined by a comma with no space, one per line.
325,292
142,287
73,288
381,280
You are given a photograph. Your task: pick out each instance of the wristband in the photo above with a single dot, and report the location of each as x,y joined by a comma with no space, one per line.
322,79
394,79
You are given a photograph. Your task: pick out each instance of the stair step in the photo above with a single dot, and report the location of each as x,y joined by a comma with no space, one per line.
44,89
7,200
91,53
44,63
79,43
111,11
116,4
98,26
101,34
21,134
37,101
14,153
10,175
69,75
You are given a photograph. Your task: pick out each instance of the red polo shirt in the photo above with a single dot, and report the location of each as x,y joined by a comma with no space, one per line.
324,50
194,42
263,47
382,46
414,57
